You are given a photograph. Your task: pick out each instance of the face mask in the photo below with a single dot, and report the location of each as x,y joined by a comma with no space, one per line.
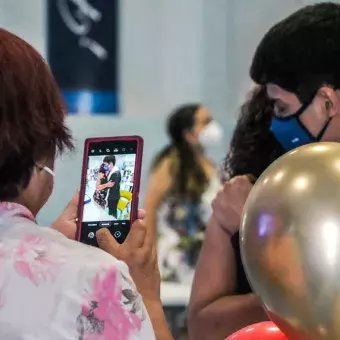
211,135
47,169
51,172
291,133
104,168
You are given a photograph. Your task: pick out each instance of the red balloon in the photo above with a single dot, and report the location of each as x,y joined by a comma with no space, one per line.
259,331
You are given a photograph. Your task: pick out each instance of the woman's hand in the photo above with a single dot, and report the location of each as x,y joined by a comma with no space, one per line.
229,202
66,223
138,252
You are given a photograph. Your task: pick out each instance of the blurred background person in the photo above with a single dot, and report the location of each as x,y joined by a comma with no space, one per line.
225,303
181,177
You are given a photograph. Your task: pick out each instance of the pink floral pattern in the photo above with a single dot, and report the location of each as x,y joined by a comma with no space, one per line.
2,257
33,256
43,275
2,280
34,260
15,210
103,315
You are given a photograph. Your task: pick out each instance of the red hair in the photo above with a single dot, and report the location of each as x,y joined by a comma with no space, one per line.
32,114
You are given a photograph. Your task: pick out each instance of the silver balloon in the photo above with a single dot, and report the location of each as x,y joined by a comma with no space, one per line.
290,241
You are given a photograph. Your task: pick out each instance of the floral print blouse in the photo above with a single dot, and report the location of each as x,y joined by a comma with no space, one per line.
52,288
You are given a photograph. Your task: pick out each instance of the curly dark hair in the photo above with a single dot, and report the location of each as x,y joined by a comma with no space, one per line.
253,147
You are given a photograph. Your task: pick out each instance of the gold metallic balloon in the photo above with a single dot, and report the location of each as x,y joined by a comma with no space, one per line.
290,241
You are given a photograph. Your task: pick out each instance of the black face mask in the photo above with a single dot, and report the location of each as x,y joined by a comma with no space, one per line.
290,131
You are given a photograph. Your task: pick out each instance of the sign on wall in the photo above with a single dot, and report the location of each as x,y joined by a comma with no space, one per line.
82,42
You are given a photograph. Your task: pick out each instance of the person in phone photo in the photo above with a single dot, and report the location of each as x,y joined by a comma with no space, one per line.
109,188
100,194
113,185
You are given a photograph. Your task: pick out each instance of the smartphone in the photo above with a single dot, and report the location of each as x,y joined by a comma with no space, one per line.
109,190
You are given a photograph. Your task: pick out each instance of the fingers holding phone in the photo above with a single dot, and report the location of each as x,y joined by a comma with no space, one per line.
114,204
139,254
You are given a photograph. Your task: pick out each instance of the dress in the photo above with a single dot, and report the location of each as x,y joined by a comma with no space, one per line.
181,229
57,289
242,284
99,196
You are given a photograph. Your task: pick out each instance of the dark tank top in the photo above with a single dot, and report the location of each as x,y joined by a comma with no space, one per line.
242,286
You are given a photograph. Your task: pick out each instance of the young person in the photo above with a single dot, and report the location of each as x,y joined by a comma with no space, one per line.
114,178
298,63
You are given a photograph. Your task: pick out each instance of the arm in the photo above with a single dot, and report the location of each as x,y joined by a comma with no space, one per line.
109,184
158,320
214,312
138,262
159,185
104,186
154,309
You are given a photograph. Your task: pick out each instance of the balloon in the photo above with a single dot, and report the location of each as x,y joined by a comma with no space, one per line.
290,241
259,331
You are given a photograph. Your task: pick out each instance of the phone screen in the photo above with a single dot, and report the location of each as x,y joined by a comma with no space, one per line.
109,189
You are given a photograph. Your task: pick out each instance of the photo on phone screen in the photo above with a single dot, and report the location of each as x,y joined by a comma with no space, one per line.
111,185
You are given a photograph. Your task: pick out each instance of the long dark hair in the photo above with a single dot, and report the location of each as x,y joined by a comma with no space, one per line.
253,147
188,170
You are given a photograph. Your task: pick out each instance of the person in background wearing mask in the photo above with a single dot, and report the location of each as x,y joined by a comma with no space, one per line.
181,176
298,64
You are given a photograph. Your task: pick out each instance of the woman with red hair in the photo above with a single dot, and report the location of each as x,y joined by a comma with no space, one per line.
52,287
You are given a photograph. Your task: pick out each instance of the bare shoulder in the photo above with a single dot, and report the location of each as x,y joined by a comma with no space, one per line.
161,178
165,165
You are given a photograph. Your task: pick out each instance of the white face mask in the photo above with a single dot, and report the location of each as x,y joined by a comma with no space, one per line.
211,135
48,189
